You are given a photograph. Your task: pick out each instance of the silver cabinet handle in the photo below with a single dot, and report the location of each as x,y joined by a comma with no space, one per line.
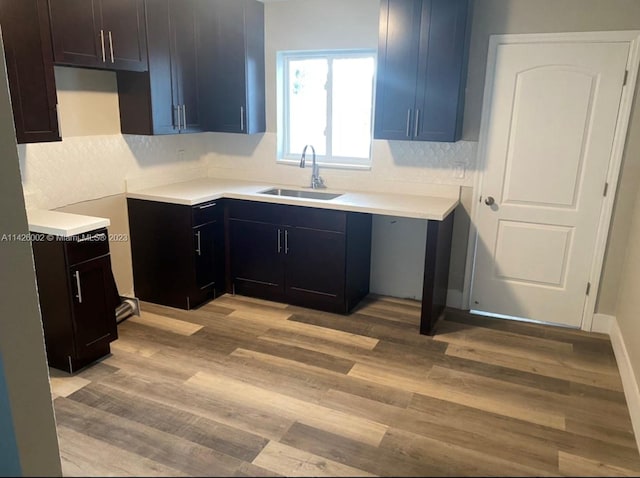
279,241
286,242
242,118
207,206
79,294
111,47
408,122
199,247
176,111
417,123
104,55
184,116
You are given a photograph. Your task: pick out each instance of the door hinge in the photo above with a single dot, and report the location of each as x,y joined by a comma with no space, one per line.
606,189
626,77
588,287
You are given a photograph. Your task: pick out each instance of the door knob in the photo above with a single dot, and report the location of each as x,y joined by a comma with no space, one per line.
489,201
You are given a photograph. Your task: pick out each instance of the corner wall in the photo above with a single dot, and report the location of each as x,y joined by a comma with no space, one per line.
28,422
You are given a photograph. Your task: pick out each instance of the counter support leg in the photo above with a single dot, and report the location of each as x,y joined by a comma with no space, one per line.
436,273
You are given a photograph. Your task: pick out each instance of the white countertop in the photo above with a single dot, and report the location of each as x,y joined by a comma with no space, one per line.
62,223
198,191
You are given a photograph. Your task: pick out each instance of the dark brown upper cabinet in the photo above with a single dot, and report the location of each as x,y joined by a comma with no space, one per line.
104,34
422,63
166,100
232,34
29,58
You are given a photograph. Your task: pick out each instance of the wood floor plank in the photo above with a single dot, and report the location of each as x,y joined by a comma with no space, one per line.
325,379
247,387
375,460
454,459
535,348
495,396
191,399
203,431
147,442
82,455
64,386
574,465
541,367
289,461
179,327
325,418
323,333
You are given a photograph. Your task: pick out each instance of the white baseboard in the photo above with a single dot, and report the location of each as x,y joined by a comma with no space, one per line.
602,323
629,382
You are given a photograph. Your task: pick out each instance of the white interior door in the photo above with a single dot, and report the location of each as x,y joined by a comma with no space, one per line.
548,145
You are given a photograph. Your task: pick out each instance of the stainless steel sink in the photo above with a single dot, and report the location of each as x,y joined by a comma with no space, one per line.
296,193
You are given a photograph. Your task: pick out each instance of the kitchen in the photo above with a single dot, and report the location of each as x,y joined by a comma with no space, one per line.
88,181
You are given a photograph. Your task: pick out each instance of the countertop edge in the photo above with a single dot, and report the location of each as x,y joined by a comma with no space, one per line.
439,214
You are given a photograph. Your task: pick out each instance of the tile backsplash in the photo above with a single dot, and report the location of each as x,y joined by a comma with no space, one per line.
83,168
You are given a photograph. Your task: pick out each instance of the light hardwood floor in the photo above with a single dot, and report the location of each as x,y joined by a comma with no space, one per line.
247,387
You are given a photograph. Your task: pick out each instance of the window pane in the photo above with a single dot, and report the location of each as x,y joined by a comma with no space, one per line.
307,104
352,103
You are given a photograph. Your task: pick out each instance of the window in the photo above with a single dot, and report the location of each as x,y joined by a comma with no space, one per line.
326,100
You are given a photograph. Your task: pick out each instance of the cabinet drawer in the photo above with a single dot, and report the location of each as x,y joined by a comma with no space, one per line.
258,212
296,216
312,218
206,212
90,245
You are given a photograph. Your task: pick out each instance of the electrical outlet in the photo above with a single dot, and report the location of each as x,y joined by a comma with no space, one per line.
459,170
181,155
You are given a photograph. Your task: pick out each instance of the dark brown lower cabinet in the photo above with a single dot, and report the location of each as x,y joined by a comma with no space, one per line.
78,298
311,257
177,252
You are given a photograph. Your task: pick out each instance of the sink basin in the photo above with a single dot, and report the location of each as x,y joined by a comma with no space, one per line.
296,193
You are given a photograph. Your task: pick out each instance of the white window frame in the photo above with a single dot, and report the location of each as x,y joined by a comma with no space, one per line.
330,161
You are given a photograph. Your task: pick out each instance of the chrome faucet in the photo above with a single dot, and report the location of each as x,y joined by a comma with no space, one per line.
316,181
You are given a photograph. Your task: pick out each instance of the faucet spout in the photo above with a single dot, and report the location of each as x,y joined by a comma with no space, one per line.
316,181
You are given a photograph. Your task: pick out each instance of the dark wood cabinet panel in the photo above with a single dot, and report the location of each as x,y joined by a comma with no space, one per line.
256,255
78,299
422,60
29,60
315,258
105,34
125,40
184,32
75,26
232,34
93,307
178,260
166,99
397,68
315,262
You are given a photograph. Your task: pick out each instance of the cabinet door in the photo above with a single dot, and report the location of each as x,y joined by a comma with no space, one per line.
123,23
205,247
315,267
185,58
440,85
76,33
232,34
94,306
29,58
256,253
397,69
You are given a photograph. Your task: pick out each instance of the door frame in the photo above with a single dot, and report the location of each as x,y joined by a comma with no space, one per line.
633,38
